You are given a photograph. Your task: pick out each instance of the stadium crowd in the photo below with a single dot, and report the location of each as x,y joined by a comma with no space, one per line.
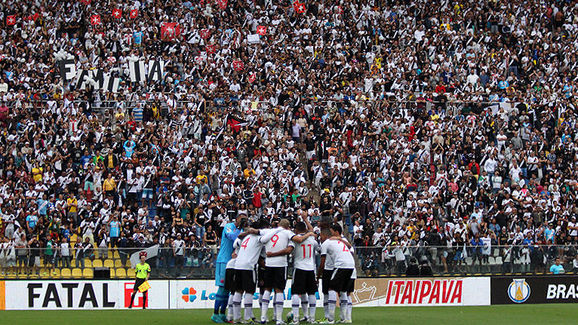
418,123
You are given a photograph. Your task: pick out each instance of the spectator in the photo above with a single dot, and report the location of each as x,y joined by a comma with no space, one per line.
49,253
399,258
537,259
477,246
179,253
21,245
64,252
210,239
425,269
557,268
413,269
114,231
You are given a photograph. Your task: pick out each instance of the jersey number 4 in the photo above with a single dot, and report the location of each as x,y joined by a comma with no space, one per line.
245,242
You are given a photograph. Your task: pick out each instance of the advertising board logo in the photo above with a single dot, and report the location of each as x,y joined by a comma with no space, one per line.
189,294
519,290
128,288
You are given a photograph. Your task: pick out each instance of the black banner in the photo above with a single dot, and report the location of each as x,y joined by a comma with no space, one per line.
534,289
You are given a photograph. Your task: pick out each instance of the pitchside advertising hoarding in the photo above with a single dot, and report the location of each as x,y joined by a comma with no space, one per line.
80,295
535,289
200,294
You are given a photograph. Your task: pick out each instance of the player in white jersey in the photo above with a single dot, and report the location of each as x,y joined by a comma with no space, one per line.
275,276
231,283
343,264
304,284
336,232
249,251
325,274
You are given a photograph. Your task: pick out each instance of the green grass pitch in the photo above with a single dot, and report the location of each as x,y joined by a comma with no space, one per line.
510,314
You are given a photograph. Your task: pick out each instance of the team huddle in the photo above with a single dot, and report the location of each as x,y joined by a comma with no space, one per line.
257,257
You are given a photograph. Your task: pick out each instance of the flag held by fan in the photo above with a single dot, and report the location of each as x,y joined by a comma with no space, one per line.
222,4
11,20
299,7
205,33
95,19
261,30
238,65
117,13
170,31
211,49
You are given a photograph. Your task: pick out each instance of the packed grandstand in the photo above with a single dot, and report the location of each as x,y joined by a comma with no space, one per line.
436,132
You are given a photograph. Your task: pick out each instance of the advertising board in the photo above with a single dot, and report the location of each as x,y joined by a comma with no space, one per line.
535,289
81,295
200,294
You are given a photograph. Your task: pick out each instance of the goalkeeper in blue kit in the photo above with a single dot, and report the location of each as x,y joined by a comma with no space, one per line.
230,233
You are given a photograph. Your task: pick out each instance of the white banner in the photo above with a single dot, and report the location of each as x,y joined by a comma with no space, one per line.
201,294
422,292
82,295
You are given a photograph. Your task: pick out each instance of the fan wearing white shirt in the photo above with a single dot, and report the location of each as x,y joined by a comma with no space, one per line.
250,244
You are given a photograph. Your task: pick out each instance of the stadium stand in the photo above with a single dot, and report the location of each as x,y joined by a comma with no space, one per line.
438,130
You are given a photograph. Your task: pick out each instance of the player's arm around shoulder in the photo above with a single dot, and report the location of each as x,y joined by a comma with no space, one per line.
301,238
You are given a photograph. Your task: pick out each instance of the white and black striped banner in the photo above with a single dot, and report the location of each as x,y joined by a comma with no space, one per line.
97,79
67,69
136,70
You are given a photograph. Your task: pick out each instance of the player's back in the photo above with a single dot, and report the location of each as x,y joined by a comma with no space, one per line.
277,243
249,252
342,257
304,254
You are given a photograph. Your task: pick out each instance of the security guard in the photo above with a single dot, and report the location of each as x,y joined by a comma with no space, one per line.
143,271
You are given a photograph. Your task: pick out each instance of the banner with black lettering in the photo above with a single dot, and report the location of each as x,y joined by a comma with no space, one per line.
67,69
136,71
155,70
100,80
80,294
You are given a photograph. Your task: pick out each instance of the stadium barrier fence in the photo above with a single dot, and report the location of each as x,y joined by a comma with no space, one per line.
199,262
465,260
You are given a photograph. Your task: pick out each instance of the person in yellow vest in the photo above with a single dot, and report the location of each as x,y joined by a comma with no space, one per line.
109,186
72,206
37,173
143,271
201,178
